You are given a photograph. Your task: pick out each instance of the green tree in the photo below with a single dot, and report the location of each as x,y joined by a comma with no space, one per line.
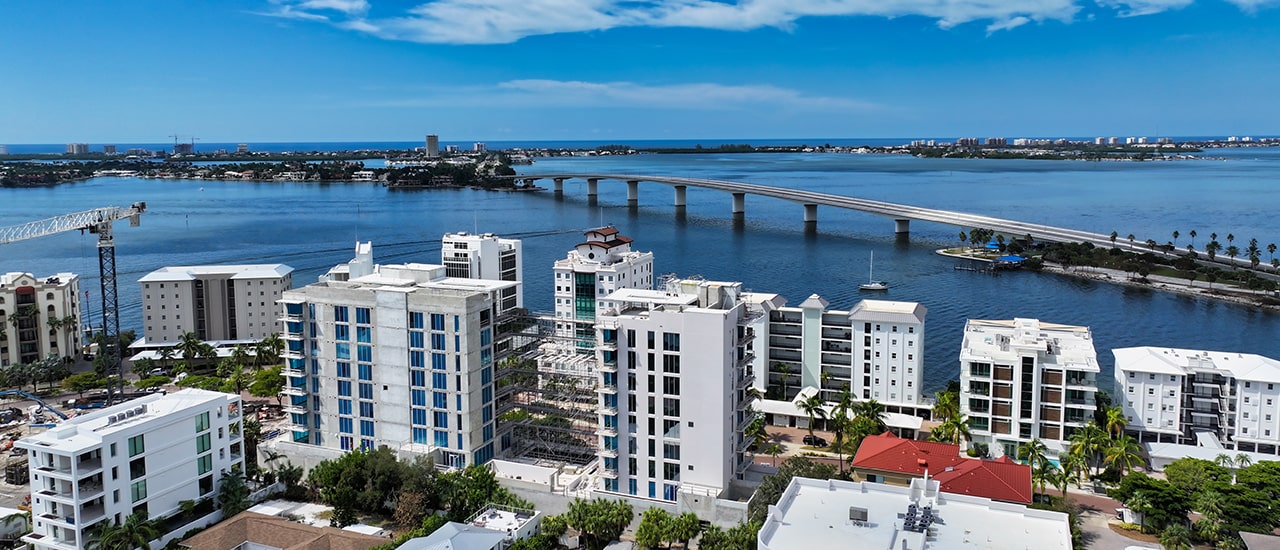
233,494
815,408
268,383
189,345
151,382
1191,475
771,487
83,382
268,351
953,430
1175,537
784,371
1033,452
136,532
774,449
682,529
1116,421
1124,453
653,528
600,521
1140,504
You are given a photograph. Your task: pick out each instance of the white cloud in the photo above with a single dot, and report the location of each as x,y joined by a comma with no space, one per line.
506,21
704,96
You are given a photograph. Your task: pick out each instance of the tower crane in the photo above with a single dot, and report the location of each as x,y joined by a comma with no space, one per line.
97,221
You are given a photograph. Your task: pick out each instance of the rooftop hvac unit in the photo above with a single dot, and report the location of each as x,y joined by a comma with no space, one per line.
111,420
857,514
139,410
128,413
143,409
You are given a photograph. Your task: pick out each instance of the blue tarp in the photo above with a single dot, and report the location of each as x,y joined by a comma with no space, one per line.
1011,259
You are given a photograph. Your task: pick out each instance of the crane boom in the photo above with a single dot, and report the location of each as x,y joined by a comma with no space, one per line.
89,219
99,222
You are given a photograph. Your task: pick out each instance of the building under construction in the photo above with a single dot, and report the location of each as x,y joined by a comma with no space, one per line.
546,400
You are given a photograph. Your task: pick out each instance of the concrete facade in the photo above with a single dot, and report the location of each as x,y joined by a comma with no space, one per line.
674,367
34,302
1024,379
395,355
485,256
216,302
146,455
601,264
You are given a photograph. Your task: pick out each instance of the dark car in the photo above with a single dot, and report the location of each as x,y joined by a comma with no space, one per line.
814,441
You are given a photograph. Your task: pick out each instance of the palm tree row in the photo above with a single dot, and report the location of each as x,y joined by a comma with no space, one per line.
1253,252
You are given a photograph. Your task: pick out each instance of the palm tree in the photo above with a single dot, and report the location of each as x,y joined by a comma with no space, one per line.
166,355
840,417
1124,453
1192,234
1113,238
1232,251
1072,467
1243,460
1212,249
1151,243
1225,460
785,370
1131,241
1271,249
1116,421
946,405
873,413
189,346
268,351
773,449
1231,238
1088,442
1175,238
241,357
1175,537
952,430
1033,452
814,407
1210,504
1139,503
136,532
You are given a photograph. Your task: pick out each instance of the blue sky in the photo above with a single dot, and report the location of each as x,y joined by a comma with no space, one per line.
342,70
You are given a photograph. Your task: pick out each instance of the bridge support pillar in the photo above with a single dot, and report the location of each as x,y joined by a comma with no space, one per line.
633,193
739,205
593,190
901,227
810,216
680,196
559,187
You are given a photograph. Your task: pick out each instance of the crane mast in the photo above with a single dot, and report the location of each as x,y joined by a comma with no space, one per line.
98,221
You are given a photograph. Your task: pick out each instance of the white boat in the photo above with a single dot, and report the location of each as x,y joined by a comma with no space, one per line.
872,283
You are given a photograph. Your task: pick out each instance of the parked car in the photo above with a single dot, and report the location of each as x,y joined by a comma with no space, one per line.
814,441
158,372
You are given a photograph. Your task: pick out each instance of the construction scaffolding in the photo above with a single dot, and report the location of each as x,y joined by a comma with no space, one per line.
546,398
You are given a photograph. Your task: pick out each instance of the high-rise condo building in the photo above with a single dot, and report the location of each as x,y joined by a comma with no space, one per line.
144,456
216,302
1024,379
601,264
484,257
1179,395
395,355
433,145
875,351
674,369
77,148
39,317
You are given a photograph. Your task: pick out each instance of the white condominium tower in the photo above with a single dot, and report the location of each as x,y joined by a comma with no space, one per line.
674,367
395,355
216,302
484,256
875,350
39,317
146,455
1173,395
1024,379
593,269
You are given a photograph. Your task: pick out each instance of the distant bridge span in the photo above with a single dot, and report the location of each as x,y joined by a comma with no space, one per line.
902,214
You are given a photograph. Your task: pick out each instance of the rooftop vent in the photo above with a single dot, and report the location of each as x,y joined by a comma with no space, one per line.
857,514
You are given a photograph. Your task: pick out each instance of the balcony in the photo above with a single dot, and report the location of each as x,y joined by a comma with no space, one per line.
294,409
61,493
607,431
609,389
90,491
293,391
294,373
606,410
62,520
608,366
608,453
46,541
608,473
90,514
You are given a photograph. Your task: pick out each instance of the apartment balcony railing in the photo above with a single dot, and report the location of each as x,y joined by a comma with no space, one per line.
90,514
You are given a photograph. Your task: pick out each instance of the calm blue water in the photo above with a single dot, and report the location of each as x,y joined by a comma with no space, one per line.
314,226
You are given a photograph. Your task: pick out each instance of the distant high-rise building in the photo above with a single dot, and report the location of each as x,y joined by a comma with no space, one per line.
184,148
77,148
1113,141
4,149
451,149
242,148
28,303
1099,140
484,257
216,302
479,147
997,142
1130,140
433,145
109,149
967,142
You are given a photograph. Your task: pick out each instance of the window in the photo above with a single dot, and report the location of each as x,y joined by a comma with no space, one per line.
1130,389
1152,391
203,443
138,491
113,449
362,315
136,446
137,468
366,409
202,422
205,464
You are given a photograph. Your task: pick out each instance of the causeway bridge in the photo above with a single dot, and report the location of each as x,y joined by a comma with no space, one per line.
901,214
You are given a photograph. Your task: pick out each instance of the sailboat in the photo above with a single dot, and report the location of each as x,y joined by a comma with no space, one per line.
872,283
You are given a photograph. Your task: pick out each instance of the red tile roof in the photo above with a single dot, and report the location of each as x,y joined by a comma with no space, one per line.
606,231
618,240
1001,479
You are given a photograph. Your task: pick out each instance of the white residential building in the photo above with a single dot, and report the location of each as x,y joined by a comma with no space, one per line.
395,355
1174,395
592,270
146,455
813,513
485,256
48,313
876,351
1024,379
216,302
674,366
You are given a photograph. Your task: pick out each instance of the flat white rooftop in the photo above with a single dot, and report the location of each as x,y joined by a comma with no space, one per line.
1065,345
191,272
1181,362
814,514
652,297
89,430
